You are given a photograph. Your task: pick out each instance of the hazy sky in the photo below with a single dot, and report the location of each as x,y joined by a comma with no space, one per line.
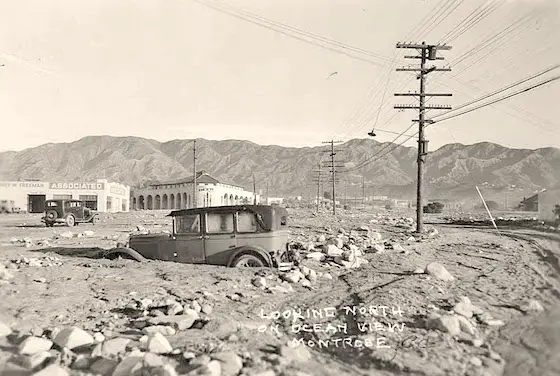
179,69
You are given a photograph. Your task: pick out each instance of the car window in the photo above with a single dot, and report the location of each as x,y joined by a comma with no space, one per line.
218,223
246,222
51,204
187,224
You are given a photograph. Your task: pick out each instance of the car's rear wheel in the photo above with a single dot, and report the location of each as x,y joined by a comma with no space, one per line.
70,220
248,261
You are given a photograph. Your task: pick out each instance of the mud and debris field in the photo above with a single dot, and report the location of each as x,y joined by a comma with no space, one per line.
369,297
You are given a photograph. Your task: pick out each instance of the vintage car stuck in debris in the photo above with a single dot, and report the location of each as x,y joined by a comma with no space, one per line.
235,236
69,212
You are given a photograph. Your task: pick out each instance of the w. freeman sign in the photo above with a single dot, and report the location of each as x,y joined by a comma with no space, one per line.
78,185
23,184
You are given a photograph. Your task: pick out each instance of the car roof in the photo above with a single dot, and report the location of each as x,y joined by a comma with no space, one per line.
221,209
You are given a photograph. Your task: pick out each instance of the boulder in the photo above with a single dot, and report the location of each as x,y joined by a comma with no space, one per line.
438,271
445,323
52,370
231,363
5,330
73,337
332,250
111,347
158,344
34,345
464,307
293,353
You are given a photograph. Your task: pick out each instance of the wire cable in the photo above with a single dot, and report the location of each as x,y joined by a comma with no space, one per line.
293,32
500,99
556,66
379,156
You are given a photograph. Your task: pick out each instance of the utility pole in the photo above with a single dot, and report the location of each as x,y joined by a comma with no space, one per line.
319,181
363,193
267,198
345,191
333,171
427,52
254,191
195,185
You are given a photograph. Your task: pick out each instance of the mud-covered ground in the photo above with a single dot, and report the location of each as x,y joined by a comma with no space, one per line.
488,306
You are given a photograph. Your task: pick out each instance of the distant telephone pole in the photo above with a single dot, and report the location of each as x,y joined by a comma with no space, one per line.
345,191
333,171
267,192
319,181
363,193
427,52
254,190
195,188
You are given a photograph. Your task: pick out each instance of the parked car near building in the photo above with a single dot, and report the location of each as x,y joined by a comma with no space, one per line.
234,236
69,212
7,207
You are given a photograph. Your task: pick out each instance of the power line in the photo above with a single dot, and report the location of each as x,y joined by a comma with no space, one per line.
556,66
501,98
502,42
293,32
436,24
435,12
459,25
380,155
532,118
494,38
490,8
473,54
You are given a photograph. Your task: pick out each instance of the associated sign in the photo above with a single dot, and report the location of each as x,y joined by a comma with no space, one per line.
85,186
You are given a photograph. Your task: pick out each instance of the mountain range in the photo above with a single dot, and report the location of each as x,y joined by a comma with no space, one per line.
364,166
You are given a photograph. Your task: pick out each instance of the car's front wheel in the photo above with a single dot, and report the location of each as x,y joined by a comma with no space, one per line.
248,261
70,220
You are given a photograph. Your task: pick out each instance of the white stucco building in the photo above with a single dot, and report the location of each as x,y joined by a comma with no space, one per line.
178,194
547,202
99,195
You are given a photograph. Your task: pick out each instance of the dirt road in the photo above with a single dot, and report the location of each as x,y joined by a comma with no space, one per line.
410,322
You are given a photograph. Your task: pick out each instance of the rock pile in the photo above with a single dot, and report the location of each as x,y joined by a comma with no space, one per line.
72,350
465,321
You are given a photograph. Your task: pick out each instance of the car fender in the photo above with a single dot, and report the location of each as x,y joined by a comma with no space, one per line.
252,250
125,251
91,218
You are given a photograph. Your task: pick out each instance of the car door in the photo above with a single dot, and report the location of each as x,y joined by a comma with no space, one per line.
68,208
188,241
220,240
78,211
